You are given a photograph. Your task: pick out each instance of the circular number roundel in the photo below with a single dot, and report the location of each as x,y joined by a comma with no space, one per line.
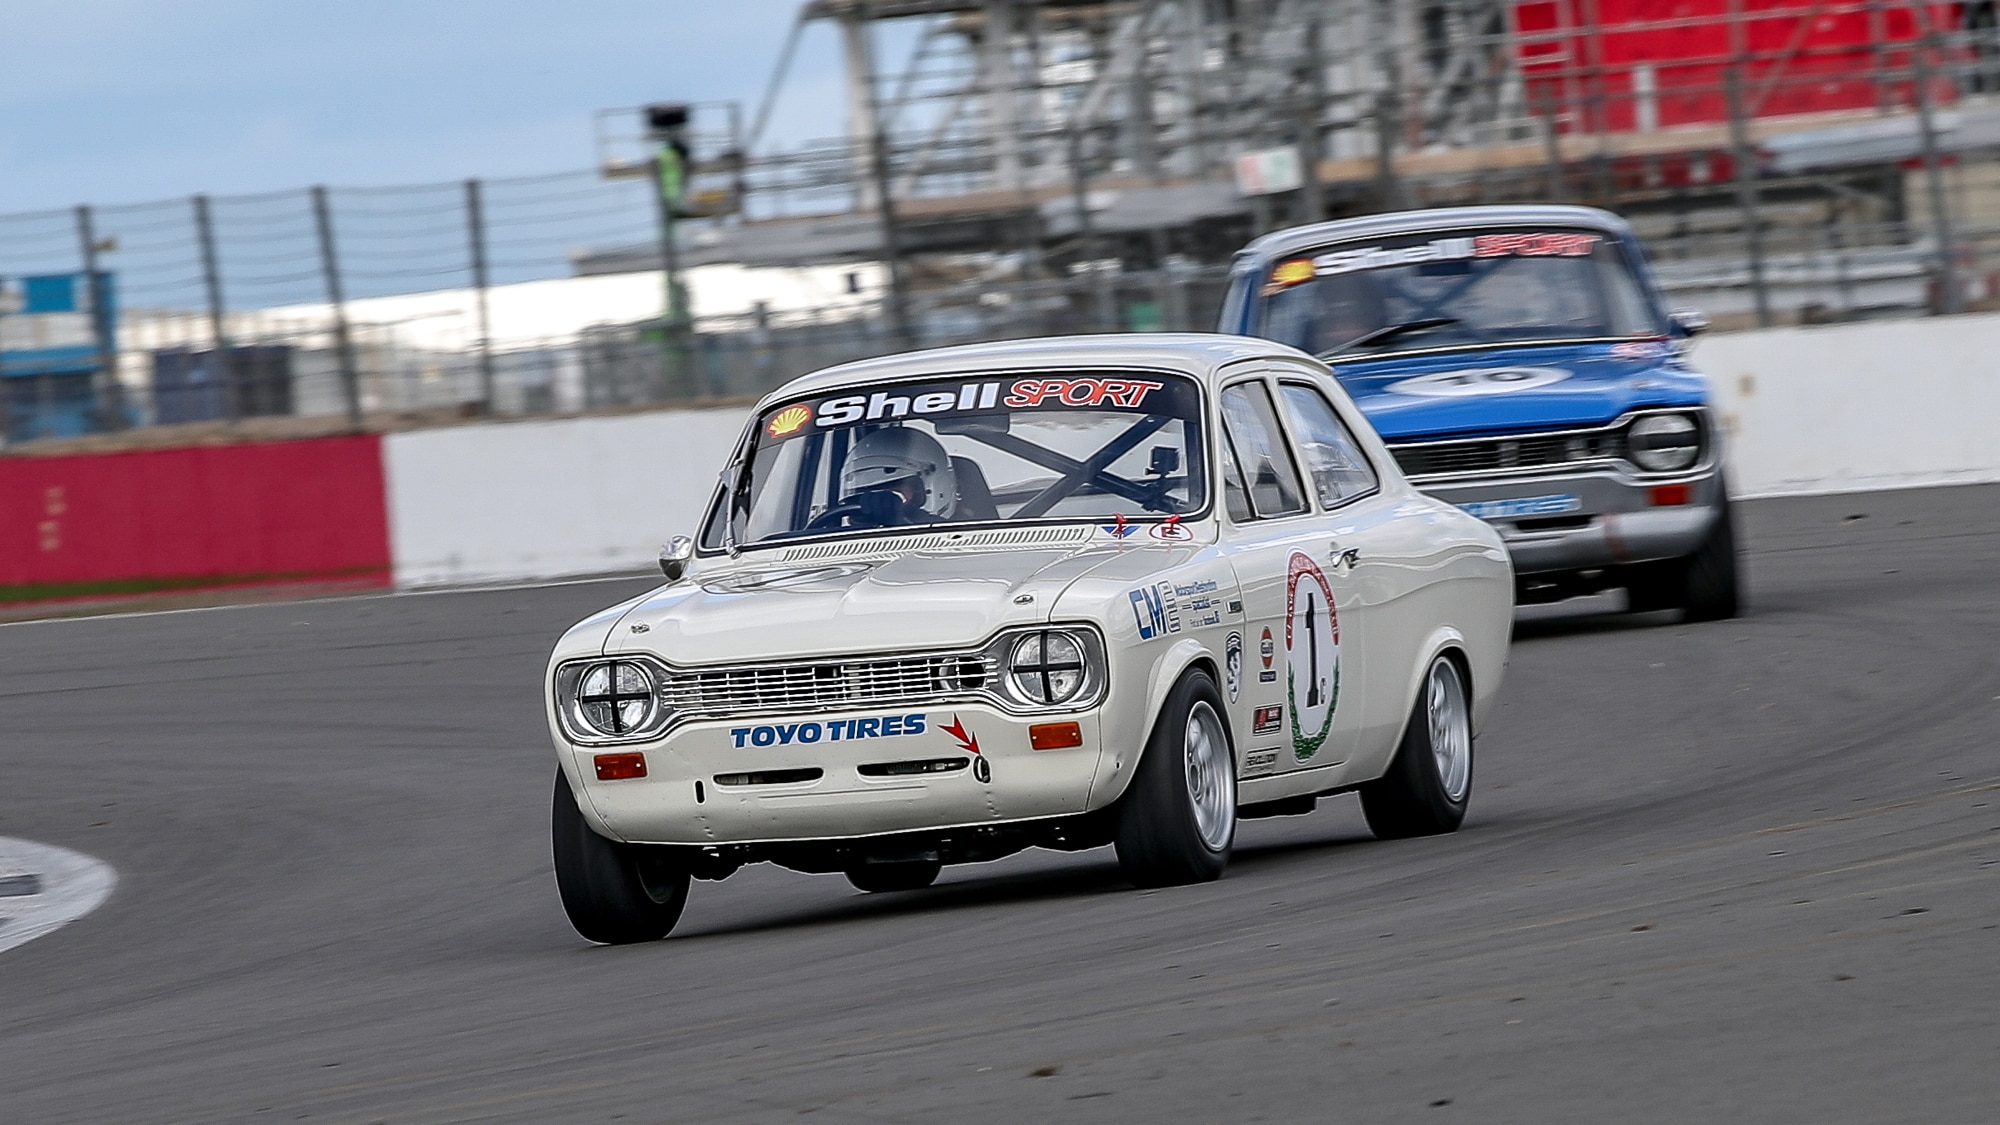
1477,381
1312,655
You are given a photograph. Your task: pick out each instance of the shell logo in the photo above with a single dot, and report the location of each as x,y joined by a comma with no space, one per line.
787,421
1293,272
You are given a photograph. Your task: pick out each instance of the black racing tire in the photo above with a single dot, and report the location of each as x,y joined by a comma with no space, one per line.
904,875
1710,590
614,893
1177,822
1425,792
1703,586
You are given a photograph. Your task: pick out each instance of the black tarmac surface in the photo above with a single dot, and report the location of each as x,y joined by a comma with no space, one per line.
1742,871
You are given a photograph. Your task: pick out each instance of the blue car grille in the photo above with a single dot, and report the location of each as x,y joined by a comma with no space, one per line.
1507,454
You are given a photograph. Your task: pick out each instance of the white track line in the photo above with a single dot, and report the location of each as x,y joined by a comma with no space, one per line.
421,592
67,885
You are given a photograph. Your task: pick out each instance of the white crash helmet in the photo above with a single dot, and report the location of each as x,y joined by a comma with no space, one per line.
894,454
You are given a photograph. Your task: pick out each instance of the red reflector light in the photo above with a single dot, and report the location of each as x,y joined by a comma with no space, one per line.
1055,736
618,767
1668,495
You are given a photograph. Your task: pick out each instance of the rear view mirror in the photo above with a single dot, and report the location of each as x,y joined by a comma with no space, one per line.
1690,322
1166,459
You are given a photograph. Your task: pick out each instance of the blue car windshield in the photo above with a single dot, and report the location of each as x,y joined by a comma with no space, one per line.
1454,290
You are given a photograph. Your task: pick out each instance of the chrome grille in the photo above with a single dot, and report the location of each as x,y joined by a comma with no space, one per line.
1489,455
895,682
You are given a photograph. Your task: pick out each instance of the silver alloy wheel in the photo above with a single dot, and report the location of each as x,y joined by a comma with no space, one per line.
1451,728
1211,775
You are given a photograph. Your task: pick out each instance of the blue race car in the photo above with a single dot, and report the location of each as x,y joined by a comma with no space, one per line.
1521,364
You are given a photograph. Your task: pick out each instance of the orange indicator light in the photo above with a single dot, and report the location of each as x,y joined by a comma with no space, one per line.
1055,736
1669,495
617,767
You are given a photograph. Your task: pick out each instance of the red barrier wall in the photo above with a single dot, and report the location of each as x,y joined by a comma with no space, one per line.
308,510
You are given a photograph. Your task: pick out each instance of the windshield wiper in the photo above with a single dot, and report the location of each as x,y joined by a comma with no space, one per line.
1390,332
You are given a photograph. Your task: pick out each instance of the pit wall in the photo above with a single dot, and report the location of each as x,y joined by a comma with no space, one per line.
255,513
1856,407
1807,410
573,496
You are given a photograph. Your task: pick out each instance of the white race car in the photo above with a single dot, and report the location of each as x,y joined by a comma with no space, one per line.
1058,593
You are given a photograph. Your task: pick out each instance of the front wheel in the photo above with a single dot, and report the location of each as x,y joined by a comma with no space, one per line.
1178,821
613,893
1703,586
1430,779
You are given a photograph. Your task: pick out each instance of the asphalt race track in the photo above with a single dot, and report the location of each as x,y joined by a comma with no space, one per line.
1743,871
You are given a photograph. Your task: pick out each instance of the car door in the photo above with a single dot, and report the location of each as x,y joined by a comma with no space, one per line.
1300,665
1366,544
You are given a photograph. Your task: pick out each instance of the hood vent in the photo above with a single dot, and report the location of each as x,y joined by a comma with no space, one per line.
1067,535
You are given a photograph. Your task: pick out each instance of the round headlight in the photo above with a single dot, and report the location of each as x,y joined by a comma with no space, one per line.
1664,443
1046,667
615,698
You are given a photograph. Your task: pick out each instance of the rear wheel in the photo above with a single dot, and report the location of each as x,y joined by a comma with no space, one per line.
1430,780
1178,820
903,875
613,893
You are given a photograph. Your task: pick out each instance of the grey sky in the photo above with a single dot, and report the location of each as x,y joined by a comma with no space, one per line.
112,101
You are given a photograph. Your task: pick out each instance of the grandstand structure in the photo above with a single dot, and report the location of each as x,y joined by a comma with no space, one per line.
1025,138
1029,167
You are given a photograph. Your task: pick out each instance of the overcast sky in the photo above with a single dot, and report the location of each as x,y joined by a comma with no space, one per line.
114,101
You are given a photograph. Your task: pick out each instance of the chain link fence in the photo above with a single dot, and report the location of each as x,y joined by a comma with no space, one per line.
1778,172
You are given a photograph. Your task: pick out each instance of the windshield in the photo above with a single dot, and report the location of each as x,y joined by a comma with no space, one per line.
1071,446
1431,291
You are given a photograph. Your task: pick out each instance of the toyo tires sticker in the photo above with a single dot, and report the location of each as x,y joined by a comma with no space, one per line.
1477,381
1312,655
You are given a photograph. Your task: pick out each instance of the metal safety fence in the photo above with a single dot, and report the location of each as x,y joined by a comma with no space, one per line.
1047,168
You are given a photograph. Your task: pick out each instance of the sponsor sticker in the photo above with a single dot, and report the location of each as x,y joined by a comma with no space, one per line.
969,742
832,730
788,421
1642,349
1259,762
1128,393
1171,531
1477,381
922,400
1553,505
1268,720
1232,664
1156,610
1312,655
1536,244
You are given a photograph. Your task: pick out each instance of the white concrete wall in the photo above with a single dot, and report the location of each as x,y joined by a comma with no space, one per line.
506,501
1834,409
1854,407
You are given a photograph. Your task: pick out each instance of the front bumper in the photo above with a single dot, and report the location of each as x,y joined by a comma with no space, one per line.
752,781
1606,518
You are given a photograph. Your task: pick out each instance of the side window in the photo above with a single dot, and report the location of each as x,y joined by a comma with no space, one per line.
1235,493
1252,423
1340,471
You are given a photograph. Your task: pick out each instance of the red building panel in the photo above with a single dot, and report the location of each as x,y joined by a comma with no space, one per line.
286,511
1637,65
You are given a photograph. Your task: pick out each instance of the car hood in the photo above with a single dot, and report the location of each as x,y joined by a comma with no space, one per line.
928,600
1519,389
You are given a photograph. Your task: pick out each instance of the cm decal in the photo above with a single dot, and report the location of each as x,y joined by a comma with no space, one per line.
1312,655
834,730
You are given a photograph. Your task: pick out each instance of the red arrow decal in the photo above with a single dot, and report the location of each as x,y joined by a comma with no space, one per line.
967,741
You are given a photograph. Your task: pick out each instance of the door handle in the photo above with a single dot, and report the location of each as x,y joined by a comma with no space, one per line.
1345,556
